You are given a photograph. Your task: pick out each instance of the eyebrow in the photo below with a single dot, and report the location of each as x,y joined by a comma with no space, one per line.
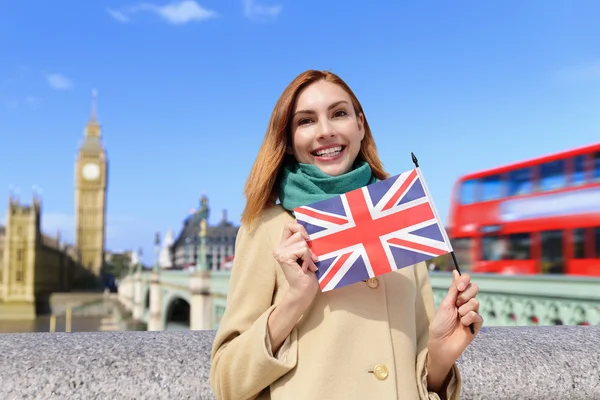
332,105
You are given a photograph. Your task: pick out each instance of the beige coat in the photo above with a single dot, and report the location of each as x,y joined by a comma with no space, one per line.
363,341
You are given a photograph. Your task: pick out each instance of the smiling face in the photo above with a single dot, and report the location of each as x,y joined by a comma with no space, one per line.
325,129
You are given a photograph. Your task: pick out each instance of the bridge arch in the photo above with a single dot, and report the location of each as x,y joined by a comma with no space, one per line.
177,315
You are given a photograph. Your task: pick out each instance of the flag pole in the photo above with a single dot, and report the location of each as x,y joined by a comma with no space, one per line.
454,261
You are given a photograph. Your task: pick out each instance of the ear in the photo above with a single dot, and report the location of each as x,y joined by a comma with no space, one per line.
360,120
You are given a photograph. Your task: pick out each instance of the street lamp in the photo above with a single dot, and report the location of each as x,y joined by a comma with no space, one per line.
157,250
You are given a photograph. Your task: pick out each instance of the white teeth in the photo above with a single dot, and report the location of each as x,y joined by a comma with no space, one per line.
332,151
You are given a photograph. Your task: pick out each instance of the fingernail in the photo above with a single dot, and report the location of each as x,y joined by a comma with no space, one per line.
461,286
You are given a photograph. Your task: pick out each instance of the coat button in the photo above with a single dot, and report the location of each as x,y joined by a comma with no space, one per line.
372,283
381,372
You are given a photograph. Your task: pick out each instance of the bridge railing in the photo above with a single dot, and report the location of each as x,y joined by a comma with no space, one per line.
506,300
559,362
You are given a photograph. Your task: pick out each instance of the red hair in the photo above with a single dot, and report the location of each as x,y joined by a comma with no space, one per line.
261,189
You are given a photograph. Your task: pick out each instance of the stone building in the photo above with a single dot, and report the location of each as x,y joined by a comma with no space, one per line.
91,179
220,241
32,265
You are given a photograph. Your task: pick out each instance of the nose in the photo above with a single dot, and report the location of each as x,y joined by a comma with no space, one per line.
326,128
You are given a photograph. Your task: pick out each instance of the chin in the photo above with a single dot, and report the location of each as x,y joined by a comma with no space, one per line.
334,170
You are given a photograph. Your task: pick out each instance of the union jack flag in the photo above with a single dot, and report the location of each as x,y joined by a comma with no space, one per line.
373,230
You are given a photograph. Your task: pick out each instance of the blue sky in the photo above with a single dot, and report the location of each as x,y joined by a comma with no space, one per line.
185,91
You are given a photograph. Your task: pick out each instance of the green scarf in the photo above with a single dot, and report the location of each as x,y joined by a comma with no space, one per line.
303,184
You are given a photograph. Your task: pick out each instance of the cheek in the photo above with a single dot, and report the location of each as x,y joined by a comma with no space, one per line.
302,140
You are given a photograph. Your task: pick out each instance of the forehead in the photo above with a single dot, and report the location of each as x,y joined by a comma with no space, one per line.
320,94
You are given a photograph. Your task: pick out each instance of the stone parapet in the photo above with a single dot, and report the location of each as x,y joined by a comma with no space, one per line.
559,362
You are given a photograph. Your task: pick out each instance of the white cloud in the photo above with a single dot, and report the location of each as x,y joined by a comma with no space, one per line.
177,13
260,12
30,101
580,73
118,15
58,81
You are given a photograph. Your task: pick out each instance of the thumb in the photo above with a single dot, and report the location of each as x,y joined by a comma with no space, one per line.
452,295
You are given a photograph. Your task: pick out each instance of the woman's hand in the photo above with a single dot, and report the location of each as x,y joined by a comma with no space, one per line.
293,249
303,283
449,332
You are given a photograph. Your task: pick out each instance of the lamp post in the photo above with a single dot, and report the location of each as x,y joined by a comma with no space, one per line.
155,320
201,305
157,251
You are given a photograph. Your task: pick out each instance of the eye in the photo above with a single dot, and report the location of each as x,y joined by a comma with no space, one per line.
340,113
303,121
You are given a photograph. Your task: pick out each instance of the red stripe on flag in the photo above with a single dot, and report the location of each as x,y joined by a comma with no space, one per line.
325,217
367,229
416,246
333,269
400,191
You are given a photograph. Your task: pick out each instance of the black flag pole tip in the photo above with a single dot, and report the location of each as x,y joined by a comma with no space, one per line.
414,159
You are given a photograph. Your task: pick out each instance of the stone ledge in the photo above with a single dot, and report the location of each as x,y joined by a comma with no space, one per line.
502,363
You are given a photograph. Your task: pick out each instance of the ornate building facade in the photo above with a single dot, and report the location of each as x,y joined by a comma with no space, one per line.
91,179
220,241
32,265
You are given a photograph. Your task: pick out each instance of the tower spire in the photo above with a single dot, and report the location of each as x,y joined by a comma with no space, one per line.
93,115
93,127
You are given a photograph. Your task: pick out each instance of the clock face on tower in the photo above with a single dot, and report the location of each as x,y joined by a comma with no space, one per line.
90,171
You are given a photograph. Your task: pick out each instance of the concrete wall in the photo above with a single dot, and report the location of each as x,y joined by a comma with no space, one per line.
561,362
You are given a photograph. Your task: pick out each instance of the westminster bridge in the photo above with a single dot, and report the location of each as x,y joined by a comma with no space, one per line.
530,357
196,300
503,362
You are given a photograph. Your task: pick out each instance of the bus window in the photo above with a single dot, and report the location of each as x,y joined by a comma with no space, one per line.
491,188
596,166
578,174
597,240
552,175
463,251
519,246
579,243
493,248
519,182
552,257
468,192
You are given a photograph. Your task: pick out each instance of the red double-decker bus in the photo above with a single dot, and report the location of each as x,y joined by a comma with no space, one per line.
540,216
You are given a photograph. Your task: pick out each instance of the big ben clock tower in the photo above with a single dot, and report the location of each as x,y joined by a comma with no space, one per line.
91,170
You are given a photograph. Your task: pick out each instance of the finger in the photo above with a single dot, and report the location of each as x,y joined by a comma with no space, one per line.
469,293
301,251
451,296
307,263
472,318
314,257
309,259
463,282
292,228
471,305
295,238
290,254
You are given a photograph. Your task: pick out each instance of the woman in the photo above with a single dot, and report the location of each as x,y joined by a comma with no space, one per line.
283,338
